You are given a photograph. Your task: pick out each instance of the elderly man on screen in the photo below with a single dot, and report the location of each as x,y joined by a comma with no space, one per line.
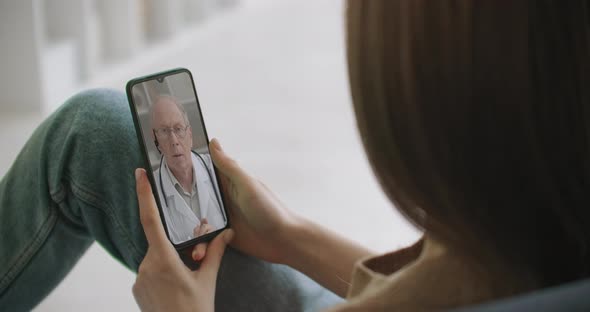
185,180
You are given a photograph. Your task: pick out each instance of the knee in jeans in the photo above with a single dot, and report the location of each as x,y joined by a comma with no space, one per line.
101,116
94,140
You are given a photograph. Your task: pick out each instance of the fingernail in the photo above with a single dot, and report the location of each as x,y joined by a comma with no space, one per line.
195,254
217,145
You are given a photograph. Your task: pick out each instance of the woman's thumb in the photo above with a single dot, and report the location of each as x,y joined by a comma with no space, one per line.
215,250
223,162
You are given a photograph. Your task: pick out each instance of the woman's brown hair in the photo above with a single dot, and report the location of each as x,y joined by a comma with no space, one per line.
475,116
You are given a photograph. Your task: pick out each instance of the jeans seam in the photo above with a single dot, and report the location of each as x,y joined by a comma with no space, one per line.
58,197
38,238
88,197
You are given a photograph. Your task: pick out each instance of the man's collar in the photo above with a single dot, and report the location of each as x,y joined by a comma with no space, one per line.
175,181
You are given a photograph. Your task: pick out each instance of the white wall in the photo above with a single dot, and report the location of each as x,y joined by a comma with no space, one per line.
52,48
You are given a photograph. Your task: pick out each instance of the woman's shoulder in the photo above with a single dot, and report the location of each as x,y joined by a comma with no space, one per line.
424,276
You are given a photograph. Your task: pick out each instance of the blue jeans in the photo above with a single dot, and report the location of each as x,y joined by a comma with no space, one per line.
73,183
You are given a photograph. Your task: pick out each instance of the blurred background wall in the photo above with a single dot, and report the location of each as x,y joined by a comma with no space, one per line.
272,83
51,48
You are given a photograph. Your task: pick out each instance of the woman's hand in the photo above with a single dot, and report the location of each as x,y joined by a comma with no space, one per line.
261,222
163,282
265,229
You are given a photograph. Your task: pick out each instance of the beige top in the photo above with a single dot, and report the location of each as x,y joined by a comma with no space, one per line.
422,277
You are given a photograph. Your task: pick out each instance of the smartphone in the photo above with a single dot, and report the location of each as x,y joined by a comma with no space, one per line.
175,147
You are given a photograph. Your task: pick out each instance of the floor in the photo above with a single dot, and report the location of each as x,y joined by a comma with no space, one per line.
272,83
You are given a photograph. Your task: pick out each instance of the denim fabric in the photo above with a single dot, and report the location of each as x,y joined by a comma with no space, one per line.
74,183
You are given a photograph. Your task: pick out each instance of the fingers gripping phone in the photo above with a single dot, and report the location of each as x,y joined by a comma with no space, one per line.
175,146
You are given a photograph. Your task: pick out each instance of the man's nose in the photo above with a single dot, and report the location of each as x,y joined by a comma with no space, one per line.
173,138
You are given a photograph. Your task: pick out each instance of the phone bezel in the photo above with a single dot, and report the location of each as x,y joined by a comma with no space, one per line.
160,75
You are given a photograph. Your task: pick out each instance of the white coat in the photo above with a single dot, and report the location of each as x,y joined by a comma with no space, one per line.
180,219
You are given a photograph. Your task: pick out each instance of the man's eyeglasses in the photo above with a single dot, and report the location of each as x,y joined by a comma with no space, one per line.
164,133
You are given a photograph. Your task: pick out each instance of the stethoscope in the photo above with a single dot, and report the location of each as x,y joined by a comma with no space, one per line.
210,179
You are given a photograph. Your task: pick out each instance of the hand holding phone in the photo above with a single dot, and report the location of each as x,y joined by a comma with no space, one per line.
163,283
263,226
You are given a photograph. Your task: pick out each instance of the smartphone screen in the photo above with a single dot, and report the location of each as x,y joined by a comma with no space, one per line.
172,132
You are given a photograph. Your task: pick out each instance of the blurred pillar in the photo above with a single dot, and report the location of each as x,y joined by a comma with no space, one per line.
20,79
121,28
76,20
164,18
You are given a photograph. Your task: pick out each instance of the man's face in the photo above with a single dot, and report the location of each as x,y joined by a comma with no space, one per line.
174,135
